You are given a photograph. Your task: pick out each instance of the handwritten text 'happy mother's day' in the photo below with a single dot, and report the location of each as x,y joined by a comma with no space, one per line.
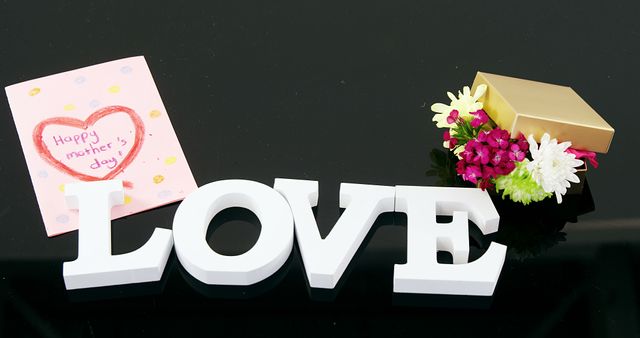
93,146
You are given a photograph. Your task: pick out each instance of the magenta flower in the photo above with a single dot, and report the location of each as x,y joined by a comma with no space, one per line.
461,166
522,143
515,153
452,140
481,155
498,156
472,173
492,153
483,135
453,117
469,151
485,184
488,173
498,138
505,168
479,119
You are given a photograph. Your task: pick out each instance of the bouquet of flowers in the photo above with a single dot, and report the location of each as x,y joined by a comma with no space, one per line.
517,166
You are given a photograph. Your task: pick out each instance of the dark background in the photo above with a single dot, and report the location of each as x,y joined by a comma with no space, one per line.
335,92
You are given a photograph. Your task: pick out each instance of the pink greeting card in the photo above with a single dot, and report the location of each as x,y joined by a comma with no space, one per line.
97,123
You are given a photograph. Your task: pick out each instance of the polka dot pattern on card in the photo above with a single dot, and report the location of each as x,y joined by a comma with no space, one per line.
170,160
164,194
154,114
158,174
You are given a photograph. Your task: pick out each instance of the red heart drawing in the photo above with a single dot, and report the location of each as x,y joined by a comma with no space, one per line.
45,153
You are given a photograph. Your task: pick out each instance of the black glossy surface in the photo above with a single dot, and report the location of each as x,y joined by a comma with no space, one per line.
338,93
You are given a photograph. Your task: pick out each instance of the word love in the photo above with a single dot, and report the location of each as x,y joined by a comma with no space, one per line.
283,210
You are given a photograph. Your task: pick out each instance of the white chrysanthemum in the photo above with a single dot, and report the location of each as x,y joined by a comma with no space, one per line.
465,103
552,167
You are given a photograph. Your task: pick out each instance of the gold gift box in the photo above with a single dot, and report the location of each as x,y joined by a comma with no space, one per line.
532,107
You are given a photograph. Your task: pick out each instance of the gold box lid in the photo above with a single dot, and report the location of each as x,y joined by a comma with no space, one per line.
531,107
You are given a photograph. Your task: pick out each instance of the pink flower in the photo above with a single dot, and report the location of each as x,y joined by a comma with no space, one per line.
452,140
522,143
479,119
469,151
488,172
485,184
498,138
472,173
483,135
492,153
515,153
481,155
461,166
505,168
498,157
453,117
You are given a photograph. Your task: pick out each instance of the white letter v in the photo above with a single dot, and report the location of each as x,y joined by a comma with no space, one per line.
325,260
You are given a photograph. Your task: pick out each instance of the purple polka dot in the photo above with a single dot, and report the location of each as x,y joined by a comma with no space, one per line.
62,219
126,70
164,194
43,174
80,80
94,103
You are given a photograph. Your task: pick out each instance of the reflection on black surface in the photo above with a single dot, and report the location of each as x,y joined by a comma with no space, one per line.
330,295
551,291
232,232
547,293
293,265
443,301
123,291
234,291
528,230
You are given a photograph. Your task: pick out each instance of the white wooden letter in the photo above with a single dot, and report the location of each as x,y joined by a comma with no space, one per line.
422,273
326,259
95,266
268,254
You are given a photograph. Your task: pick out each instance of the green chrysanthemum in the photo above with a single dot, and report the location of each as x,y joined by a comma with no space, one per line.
519,186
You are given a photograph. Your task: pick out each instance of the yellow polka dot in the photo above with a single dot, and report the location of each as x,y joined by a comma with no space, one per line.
170,160
35,91
61,187
114,89
127,199
154,113
69,107
158,178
